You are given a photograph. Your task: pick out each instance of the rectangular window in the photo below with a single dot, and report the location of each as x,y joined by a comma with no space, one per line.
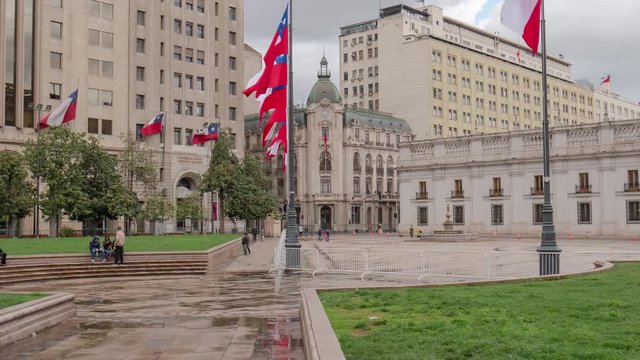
140,45
107,127
200,83
188,134
583,185
325,185
537,214
188,4
177,106
356,185
422,190
107,68
497,215
280,187
233,88
232,13
188,108
54,91
93,126
584,212
106,98
458,192
633,185
232,38
177,26
458,214
188,55
200,57
177,80
56,30
56,60
423,216
232,63
633,212
140,102
200,31
177,136
177,53
200,6
140,73
200,109
538,185
188,29
188,81
140,18
232,114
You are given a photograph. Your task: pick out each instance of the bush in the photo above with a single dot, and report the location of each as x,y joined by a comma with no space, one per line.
66,232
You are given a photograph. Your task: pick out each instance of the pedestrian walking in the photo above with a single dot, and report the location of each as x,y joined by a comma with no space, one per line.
119,243
254,232
245,244
327,234
411,231
320,236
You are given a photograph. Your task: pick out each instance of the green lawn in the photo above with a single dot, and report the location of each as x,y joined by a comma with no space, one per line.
7,300
590,317
133,244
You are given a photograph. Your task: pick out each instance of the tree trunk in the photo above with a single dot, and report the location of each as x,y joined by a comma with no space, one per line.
221,215
11,229
53,226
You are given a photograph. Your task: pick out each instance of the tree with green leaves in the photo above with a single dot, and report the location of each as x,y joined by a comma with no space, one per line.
137,167
223,172
251,198
17,195
60,154
189,207
157,208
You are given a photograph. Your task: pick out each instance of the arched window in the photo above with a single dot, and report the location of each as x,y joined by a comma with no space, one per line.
367,160
389,163
379,163
325,161
356,162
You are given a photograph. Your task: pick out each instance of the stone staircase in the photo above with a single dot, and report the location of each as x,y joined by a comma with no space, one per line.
46,268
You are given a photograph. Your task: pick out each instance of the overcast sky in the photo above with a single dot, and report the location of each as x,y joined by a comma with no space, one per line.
599,37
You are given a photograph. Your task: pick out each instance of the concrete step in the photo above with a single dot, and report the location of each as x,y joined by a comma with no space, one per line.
80,258
88,262
118,272
98,268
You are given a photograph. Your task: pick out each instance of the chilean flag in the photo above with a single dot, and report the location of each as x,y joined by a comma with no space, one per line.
154,126
64,113
211,132
605,80
523,17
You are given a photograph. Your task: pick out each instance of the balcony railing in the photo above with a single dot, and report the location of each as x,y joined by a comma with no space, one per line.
496,192
633,187
368,142
583,189
369,169
537,192
380,172
357,169
457,194
422,196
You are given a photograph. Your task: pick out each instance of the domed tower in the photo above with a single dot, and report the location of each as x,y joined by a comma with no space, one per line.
324,88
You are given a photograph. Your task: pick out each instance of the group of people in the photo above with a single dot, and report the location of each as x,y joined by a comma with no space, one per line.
245,239
108,249
323,235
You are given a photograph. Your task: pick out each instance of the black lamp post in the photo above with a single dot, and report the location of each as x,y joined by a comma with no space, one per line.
38,108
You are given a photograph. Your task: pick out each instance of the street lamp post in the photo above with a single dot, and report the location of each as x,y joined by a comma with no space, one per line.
38,108
549,252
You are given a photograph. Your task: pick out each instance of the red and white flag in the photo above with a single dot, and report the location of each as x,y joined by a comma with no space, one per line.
605,80
64,113
154,126
270,87
523,17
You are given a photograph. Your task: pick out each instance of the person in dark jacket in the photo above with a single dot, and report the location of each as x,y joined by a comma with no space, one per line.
107,248
245,244
94,248
3,258
254,232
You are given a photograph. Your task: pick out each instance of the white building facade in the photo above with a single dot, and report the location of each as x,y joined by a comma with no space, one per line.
494,183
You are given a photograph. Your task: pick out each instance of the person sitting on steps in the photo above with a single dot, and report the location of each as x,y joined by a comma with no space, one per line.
107,248
94,248
3,258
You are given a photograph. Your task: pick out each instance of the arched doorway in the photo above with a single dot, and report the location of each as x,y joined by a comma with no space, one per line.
325,218
186,189
380,221
390,218
369,218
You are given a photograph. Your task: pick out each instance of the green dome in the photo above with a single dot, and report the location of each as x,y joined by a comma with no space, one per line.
324,88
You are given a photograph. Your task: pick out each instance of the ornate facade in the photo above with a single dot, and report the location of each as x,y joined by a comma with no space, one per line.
345,162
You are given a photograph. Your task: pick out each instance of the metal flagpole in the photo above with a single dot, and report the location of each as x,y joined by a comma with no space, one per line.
549,252
292,243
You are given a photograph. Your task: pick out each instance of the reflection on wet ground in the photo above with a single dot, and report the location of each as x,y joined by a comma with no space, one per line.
218,316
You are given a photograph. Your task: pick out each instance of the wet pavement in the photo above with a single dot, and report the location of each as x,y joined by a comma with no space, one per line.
240,313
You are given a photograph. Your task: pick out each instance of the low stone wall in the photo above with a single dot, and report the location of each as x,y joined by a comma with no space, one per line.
221,256
20,321
320,341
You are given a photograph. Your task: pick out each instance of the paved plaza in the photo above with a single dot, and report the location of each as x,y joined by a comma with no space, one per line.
239,313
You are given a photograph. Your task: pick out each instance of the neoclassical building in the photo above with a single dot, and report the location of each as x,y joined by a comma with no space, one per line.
494,183
347,182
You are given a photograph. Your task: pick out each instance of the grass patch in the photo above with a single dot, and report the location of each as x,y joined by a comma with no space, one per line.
590,317
7,300
165,243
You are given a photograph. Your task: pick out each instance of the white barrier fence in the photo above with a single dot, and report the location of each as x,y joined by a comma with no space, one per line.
438,263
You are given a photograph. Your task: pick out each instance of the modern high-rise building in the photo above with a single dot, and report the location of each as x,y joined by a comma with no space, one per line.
447,78
130,60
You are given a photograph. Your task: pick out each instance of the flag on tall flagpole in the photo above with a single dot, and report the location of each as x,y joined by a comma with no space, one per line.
523,17
64,113
269,86
154,126
605,80
209,133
